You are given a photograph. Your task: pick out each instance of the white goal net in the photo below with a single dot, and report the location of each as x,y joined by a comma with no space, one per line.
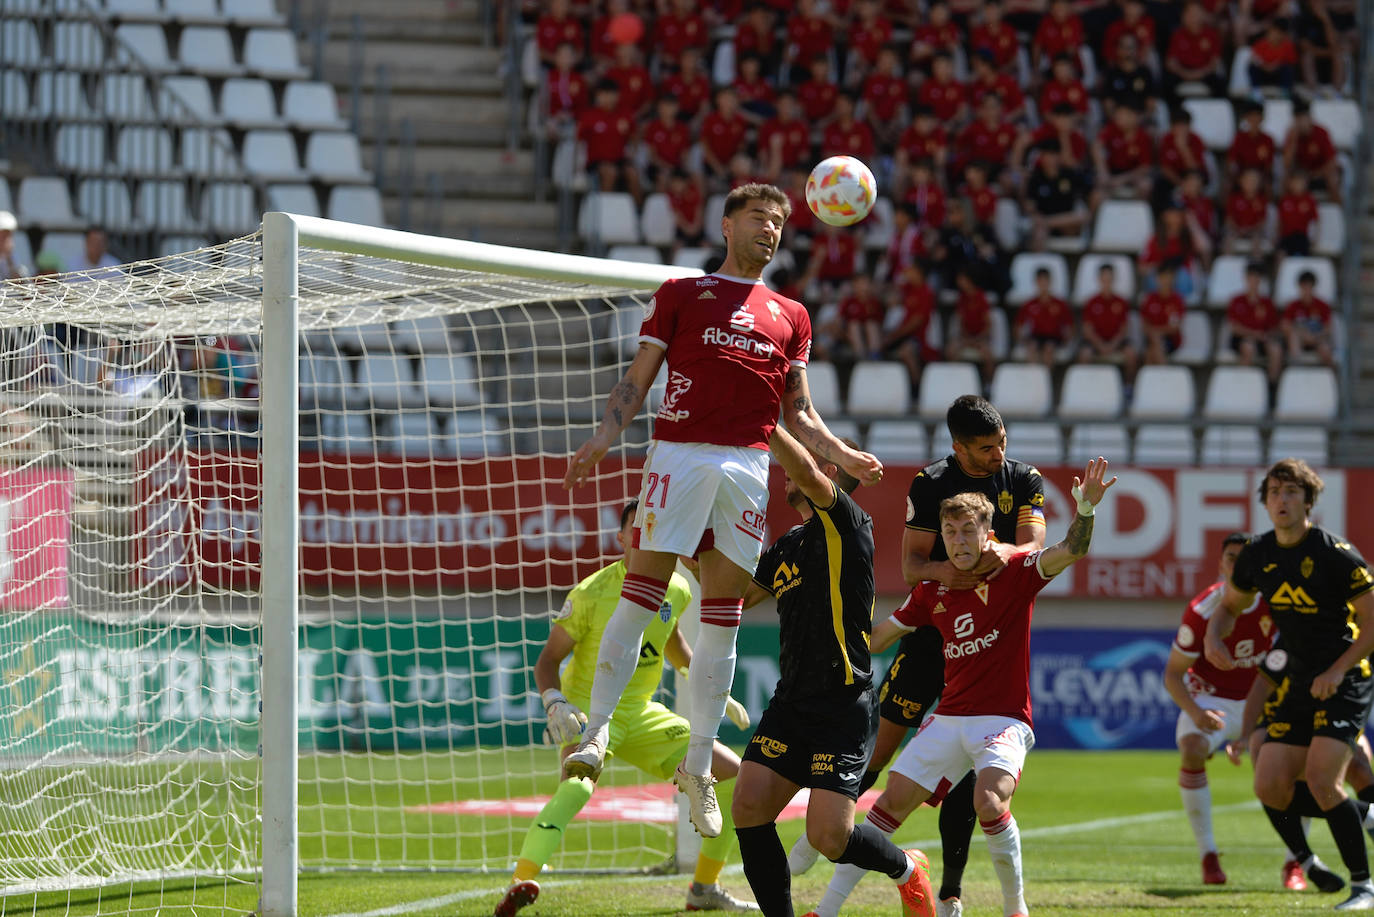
146,434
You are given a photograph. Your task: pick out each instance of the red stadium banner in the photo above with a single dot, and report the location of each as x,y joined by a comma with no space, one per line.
508,523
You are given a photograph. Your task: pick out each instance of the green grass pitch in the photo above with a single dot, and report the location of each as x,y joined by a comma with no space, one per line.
1103,834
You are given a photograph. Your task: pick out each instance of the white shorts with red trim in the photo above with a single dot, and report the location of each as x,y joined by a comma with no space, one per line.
1230,710
696,496
945,748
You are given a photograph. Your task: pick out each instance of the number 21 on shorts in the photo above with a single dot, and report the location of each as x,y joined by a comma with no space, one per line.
655,483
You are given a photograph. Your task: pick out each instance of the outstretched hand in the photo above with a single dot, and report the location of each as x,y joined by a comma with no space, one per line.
584,460
863,465
1092,487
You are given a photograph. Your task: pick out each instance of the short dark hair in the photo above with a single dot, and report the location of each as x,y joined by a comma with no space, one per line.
1240,538
607,85
1301,107
1042,272
757,191
843,479
1254,267
1293,471
972,416
1307,277
1180,115
630,509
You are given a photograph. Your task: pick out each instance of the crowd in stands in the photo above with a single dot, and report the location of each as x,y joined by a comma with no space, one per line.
1055,105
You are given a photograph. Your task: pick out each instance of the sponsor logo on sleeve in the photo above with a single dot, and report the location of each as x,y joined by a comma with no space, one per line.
1185,635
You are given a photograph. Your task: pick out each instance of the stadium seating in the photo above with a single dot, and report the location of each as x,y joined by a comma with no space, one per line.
1037,443
824,383
1091,392
879,389
941,383
1087,441
1165,445
1231,446
1163,393
1307,394
898,441
1023,268
1286,283
1308,443
1085,284
1022,390
1122,226
1237,393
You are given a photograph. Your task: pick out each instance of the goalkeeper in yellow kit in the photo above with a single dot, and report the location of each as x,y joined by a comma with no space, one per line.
642,732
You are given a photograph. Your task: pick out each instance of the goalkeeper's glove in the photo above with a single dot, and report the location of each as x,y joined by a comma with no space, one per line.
734,710
566,722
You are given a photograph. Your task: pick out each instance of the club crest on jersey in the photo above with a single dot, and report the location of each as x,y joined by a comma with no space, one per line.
774,309
665,612
1306,567
1266,624
981,590
1004,502
650,520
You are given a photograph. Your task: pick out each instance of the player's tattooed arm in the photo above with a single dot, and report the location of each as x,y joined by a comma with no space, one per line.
1079,536
625,397
621,407
1088,493
806,425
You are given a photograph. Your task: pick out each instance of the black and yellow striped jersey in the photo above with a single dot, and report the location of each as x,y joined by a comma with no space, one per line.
1309,587
821,573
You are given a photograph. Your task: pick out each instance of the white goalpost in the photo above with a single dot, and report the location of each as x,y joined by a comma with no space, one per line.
281,531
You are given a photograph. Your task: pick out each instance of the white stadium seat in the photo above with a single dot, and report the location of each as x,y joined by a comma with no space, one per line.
144,45
824,384
1236,393
207,151
385,382
163,204
1286,285
1037,443
1091,392
61,97
1278,117
207,50
640,254
253,12
1196,347
272,52
1341,118
1006,223
293,198
1231,446
450,380
78,46
19,45
335,156
144,151
1214,121
713,213
193,11
1164,393
182,95
693,257
1022,390
1165,445
70,247
105,202
81,147
941,383
1307,394
656,221
45,203
311,105
1311,444
898,441
248,103
1122,226
176,245
610,217
230,207
844,429
125,97
1023,268
148,10
1087,441
1085,277
356,204
1226,280
14,94
1330,230
272,155
879,388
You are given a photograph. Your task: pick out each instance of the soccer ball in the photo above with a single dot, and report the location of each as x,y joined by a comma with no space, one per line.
841,191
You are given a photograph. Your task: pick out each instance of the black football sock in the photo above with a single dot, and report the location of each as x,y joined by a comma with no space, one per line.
1348,833
765,866
869,848
1366,794
870,778
957,819
1304,803
1288,826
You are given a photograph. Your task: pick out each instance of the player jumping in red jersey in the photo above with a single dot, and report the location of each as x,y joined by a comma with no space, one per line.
983,722
737,354
1211,701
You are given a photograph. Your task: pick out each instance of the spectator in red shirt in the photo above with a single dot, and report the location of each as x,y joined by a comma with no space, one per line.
925,195
555,27
1253,325
1180,150
743,170
1171,243
834,260
846,135
884,95
1161,317
1134,21
924,138
722,136
988,80
602,41
863,313
942,93
995,36
1298,216
1063,88
1199,214
972,332
869,34
690,85
757,99
785,139
907,246
1060,127
1060,32
1308,148
939,34
1247,210
605,131
666,141
1307,323
818,94
810,35
757,34
980,196
678,30
989,139
636,88
1274,58
1194,54
566,92
1252,148
1124,155
908,339
1106,326
684,197
1044,323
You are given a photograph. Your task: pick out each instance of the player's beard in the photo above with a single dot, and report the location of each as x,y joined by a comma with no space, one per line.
755,258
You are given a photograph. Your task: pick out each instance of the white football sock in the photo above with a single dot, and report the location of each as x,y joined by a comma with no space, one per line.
801,854
1004,843
1197,803
616,659
708,683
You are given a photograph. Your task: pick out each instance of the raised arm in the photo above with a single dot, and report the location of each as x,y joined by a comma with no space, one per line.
1074,547
806,425
624,403
801,468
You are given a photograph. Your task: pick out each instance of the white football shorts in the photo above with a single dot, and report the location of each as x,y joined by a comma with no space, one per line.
1230,710
690,489
945,748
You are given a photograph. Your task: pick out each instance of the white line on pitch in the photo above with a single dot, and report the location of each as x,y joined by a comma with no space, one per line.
426,904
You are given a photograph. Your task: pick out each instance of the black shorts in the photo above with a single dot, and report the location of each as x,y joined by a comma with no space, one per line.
821,745
915,679
1295,717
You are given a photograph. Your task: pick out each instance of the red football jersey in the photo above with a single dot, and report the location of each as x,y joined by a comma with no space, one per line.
730,344
1244,212
984,203
854,309
817,98
1312,315
1005,87
1054,38
1078,144
1056,93
919,146
1106,315
674,33
1172,153
1315,149
669,142
794,137
943,98
855,140
839,252
972,309
929,201
1250,640
636,89
987,638
1126,152
980,143
691,92
754,91
549,33
1163,313
1001,41
1143,29
1046,318
723,136
606,134
867,40
1258,314
812,37
1296,213
567,93
885,95
1195,50
1252,151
